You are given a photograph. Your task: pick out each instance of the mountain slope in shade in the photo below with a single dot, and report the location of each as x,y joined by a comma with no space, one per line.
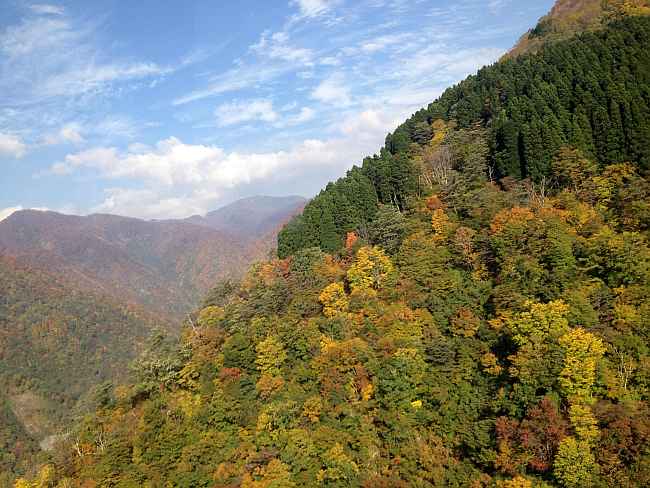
56,343
252,217
164,266
570,17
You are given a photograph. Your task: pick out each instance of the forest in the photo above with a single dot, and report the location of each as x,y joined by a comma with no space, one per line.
469,308
591,93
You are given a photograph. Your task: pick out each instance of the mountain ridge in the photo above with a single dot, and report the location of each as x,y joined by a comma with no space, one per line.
164,265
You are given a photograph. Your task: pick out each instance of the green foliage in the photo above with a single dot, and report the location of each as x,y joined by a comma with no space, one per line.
493,338
527,108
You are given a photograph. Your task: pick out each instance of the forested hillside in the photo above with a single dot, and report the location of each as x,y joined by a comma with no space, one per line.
569,17
468,309
591,92
56,343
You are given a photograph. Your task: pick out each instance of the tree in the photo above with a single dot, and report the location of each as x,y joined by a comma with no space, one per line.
583,350
371,269
334,300
270,356
575,465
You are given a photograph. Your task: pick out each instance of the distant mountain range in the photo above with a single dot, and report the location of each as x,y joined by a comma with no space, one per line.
253,217
80,296
165,267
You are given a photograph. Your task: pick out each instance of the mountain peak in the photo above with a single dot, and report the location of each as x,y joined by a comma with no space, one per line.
256,215
570,17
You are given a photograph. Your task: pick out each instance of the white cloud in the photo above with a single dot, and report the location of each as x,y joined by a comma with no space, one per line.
47,9
333,90
69,133
495,5
380,43
51,66
151,205
276,46
312,8
7,212
178,179
330,61
237,112
12,145
237,78
305,115
116,126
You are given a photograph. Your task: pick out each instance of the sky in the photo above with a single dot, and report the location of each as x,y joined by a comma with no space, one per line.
166,109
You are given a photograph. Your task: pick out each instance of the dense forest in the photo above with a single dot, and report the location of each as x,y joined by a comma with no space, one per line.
591,92
56,345
467,309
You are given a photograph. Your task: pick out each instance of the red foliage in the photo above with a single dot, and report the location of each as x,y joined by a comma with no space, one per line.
228,374
533,441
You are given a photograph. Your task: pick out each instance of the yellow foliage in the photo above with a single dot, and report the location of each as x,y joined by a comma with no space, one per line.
275,475
210,316
44,479
189,403
339,466
575,465
440,130
367,392
312,408
401,324
270,356
517,482
584,423
490,364
583,350
371,269
334,300
540,322
440,224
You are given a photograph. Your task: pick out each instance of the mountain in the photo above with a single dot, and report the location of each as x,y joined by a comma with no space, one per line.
81,296
569,17
162,266
469,308
56,343
589,92
252,217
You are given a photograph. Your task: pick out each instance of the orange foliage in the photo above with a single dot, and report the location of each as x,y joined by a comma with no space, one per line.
518,216
350,240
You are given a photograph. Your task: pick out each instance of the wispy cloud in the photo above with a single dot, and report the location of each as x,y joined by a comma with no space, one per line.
69,133
313,8
47,9
51,66
236,112
333,90
12,145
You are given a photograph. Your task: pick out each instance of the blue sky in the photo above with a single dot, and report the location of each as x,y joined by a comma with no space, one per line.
166,109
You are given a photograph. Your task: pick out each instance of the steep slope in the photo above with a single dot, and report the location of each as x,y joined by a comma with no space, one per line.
56,343
252,217
591,92
507,348
78,297
162,266
570,17
471,332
